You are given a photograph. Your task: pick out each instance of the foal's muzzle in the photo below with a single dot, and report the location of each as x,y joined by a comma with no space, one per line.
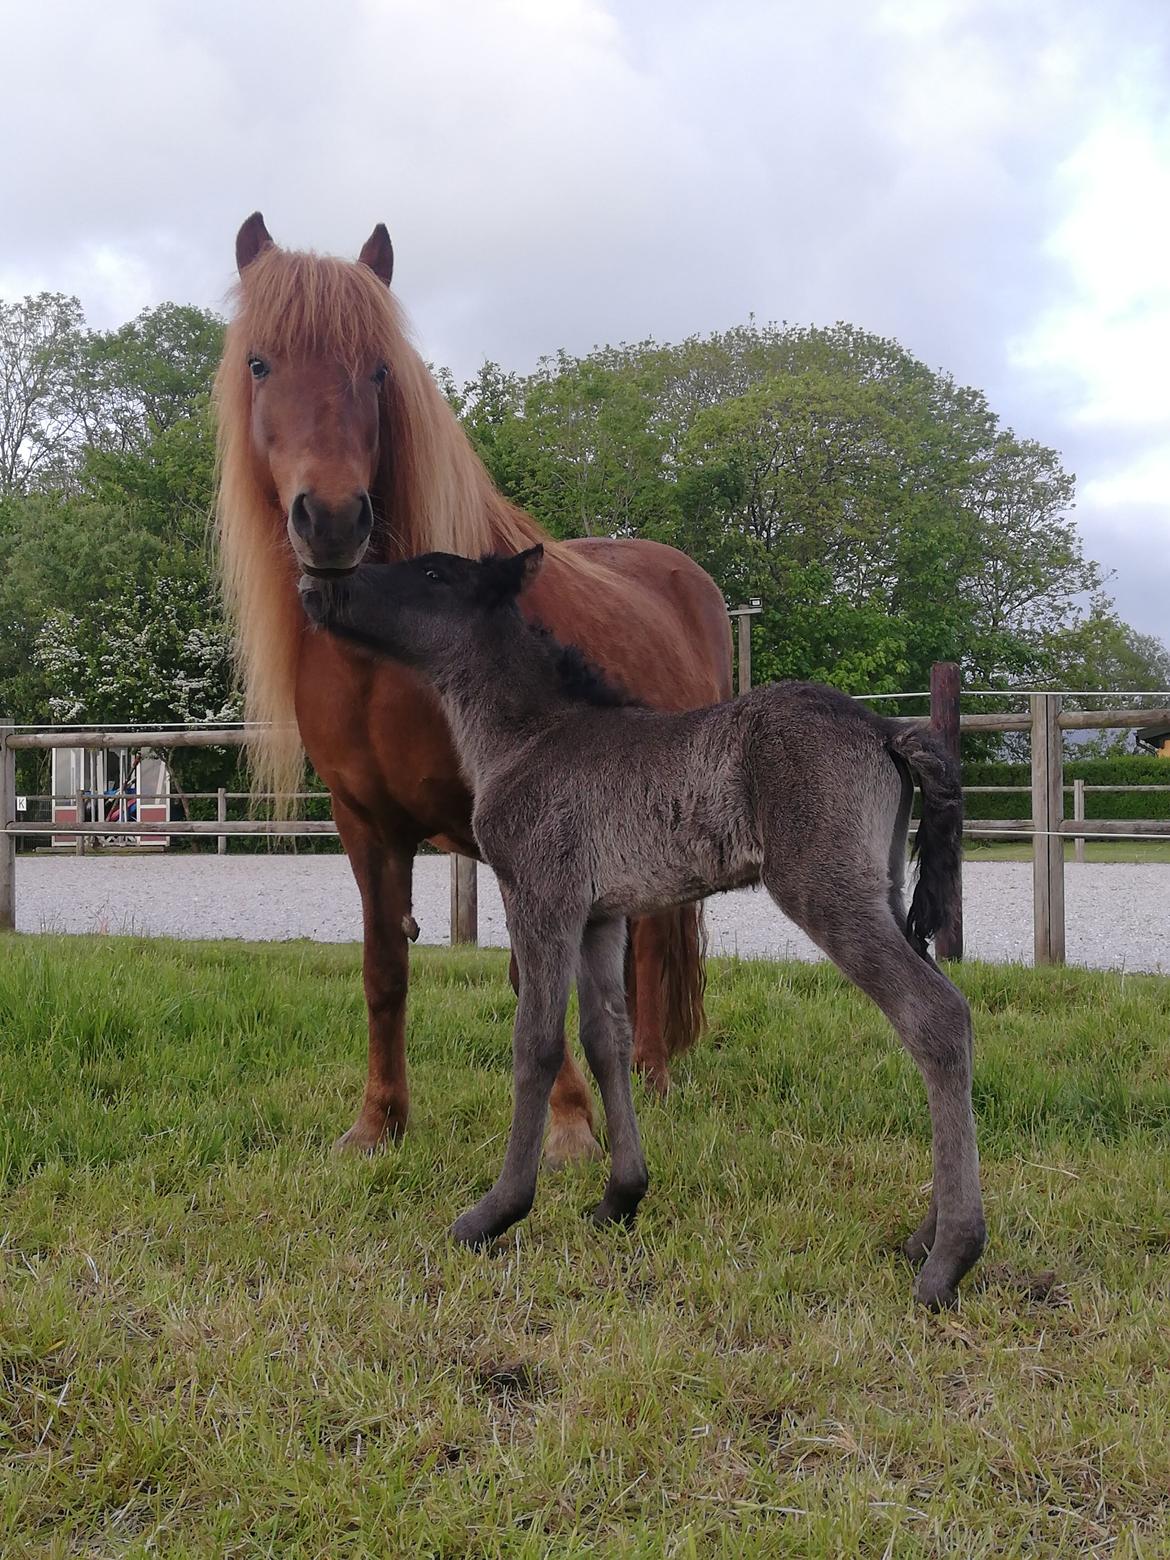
322,597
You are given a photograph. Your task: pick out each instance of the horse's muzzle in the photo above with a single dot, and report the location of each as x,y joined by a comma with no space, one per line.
330,540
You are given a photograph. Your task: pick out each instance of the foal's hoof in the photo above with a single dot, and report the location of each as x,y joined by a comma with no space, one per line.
470,1231
937,1285
935,1294
607,1212
570,1142
915,1249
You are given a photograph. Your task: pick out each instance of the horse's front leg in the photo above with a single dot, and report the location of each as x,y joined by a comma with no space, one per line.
547,966
383,866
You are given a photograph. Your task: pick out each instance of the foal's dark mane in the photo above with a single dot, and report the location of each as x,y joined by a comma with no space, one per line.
578,677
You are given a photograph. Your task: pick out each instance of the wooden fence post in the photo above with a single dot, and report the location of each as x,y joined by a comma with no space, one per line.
220,816
7,841
745,652
79,809
464,900
1047,841
743,617
944,720
1079,815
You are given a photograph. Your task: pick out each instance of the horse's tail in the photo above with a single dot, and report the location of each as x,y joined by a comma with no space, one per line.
684,977
938,843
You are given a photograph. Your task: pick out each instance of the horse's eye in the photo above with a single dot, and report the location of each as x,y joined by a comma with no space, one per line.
260,369
379,375
431,575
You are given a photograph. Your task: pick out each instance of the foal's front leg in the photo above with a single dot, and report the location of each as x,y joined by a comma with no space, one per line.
547,966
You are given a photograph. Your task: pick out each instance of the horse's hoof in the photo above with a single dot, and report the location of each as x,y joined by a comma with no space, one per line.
570,1142
367,1137
655,1075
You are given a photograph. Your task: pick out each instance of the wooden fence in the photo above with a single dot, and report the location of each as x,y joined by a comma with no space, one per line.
1048,828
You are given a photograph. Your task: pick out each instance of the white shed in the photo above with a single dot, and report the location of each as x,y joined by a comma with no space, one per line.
110,785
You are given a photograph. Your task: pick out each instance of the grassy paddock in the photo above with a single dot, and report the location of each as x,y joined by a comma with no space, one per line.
216,1339
1155,850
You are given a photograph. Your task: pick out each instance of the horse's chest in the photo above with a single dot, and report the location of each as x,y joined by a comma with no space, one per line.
376,736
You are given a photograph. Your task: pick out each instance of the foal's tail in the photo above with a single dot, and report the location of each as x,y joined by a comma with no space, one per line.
939,841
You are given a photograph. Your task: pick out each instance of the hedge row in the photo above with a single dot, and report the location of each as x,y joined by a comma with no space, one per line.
1128,769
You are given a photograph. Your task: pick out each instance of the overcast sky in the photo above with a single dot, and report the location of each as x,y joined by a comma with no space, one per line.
987,181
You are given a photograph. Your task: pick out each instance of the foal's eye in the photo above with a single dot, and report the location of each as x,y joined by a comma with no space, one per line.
260,369
431,575
379,375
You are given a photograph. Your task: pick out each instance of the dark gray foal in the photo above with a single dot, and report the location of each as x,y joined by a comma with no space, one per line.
591,809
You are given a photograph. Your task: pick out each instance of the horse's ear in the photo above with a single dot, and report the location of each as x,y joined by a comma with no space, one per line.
378,254
251,240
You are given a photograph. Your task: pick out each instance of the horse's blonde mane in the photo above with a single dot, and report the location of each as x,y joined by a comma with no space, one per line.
436,494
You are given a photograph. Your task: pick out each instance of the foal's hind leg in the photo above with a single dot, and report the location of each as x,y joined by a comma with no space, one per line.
547,953
605,1034
933,1022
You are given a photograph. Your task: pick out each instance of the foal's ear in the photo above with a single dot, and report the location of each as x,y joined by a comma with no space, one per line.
502,579
522,568
378,254
252,239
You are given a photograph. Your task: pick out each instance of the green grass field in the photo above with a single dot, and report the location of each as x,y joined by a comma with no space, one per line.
218,1340
1152,850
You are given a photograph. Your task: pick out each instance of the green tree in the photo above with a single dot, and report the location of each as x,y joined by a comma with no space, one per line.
879,509
150,375
42,342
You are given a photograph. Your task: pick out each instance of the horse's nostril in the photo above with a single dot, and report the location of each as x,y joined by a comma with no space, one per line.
298,514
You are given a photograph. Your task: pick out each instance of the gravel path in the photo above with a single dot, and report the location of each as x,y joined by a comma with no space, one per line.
1117,915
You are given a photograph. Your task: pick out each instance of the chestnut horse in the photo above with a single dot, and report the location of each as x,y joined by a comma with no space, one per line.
335,444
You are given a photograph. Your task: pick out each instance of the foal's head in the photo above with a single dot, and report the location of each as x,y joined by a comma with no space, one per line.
423,611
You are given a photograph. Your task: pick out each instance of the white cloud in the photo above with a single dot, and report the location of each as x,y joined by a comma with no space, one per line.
1107,340
984,180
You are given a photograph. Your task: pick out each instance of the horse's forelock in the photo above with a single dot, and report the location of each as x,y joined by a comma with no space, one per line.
297,305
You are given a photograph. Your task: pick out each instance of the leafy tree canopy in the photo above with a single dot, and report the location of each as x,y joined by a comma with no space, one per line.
881,512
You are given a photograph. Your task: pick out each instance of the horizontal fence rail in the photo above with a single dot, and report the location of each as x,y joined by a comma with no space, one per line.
1046,828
